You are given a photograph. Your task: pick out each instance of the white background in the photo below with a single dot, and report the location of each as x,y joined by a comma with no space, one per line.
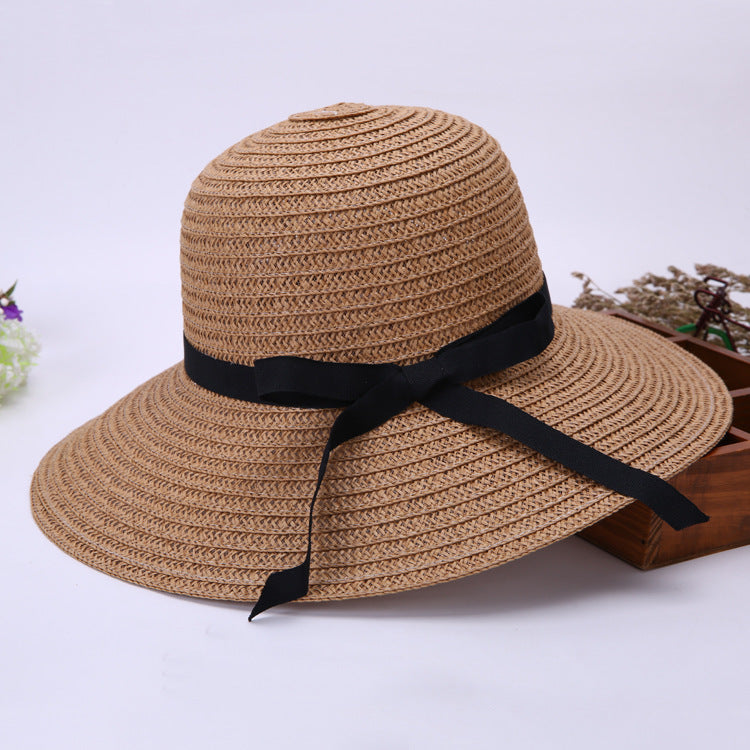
628,125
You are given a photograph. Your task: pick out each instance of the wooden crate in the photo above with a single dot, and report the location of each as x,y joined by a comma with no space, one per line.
718,483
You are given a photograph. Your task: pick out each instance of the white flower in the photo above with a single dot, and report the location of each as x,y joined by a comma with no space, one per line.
18,351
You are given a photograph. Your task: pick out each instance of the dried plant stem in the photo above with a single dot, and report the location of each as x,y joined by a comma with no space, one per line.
669,299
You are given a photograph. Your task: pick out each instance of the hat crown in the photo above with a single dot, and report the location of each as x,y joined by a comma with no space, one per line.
354,234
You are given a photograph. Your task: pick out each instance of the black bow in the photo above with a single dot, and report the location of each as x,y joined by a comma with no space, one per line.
373,393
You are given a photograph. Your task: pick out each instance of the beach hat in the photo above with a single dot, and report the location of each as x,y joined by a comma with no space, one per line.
366,320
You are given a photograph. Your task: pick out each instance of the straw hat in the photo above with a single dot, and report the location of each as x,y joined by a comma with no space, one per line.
359,234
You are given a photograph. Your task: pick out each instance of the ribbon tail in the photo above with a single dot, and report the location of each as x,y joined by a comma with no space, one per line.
282,587
472,407
376,406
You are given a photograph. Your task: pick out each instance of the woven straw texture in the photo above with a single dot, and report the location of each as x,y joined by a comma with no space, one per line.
369,234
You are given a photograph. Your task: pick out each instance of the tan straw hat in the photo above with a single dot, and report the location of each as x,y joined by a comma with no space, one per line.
379,236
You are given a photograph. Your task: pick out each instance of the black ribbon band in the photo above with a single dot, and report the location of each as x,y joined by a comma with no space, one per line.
371,394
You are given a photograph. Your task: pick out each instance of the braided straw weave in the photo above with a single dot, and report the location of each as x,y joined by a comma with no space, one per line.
362,234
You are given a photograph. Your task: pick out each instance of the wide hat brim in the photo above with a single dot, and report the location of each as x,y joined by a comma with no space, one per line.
185,491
